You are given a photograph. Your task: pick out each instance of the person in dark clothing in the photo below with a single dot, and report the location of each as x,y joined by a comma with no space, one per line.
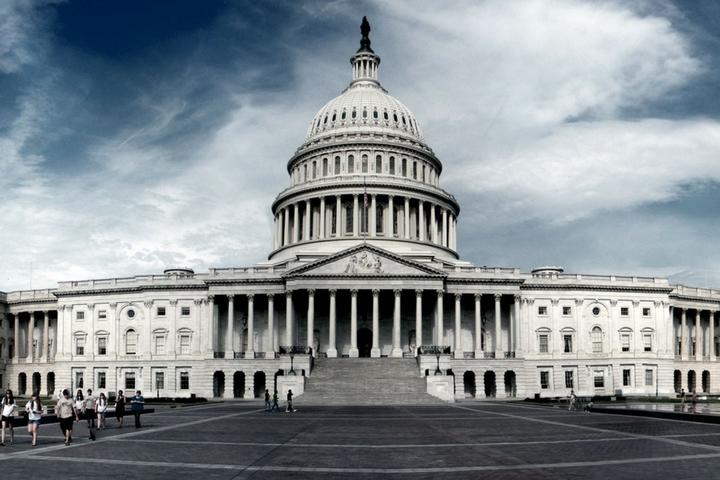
138,403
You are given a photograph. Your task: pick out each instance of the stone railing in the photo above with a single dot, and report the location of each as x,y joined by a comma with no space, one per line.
294,350
31,295
218,354
434,350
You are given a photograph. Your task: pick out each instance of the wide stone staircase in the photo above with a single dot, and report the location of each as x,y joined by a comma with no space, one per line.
366,381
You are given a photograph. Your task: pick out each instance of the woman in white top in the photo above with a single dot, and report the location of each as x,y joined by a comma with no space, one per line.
9,407
101,408
34,410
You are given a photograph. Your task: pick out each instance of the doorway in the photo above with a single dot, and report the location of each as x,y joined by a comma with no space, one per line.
364,340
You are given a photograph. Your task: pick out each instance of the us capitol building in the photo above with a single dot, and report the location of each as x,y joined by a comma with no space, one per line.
364,263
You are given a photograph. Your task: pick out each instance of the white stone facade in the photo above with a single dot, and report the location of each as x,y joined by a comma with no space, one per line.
363,263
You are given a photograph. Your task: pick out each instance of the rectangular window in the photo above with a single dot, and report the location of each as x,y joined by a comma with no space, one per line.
543,343
646,312
159,344
648,377
404,167
627,382
184,380
131,343
624,311
159,380
80,346
599,380
79,379
337,165
544,380
392,166
102,346
185,311
79,315
160,311
101,380
567,311
567,343
647,342
625,342
185,344
378,164
569,380
130,380
102,314
542,310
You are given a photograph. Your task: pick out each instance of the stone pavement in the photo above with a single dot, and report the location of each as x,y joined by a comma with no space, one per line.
465,440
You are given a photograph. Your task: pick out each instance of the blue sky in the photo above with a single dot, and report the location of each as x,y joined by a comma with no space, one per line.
140,135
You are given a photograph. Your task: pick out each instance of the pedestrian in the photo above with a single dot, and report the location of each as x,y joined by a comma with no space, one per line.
34,410
693,400
571,405
682,399
120,408
66,412
275,405
138,402
289,402
9,408
89,413
101,408
79,401
267,400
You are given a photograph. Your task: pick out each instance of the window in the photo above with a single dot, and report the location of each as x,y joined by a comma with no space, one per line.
129,380
380,221
364,113
542,310
159,344
375,114
351,163
364,160
184,380
599,379
325,167
102,345
648,377
544,380
543,340
344,115
391,167
79,315
624,311
596,311
80,346
185,344
597,340
569,380
647,342
185,311
159,380
131,313
567,343
79,379
314,170
414,170
625,342
101,382
567,311
305,174
102,314
130,342
337,165
160,311
627,377
404,167
646,312
378,163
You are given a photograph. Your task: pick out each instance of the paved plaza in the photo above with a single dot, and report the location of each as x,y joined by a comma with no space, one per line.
466,440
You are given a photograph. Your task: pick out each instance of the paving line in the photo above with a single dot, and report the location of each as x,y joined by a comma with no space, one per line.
359,470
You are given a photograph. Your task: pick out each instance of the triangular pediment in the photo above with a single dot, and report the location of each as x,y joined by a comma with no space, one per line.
365,261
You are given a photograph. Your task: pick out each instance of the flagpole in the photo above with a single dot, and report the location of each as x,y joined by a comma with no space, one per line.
365,205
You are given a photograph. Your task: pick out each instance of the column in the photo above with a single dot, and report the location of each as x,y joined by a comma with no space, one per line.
338,210
418,320
250,352
433,224
712,336
396,350
458,325
515,325
440,334
683,334
498,328
30,329
406,219
332,348
296,223
356,216
353,322
286,227
373,215
172,336
229,350
288,318
270,353
672,332
307,222
322,218
478,326
390,218
375,352
16,333
444,228
698,336
311,319
421,220
148,328
45,340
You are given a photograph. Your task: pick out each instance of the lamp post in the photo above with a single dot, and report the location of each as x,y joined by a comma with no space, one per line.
437,369
292,368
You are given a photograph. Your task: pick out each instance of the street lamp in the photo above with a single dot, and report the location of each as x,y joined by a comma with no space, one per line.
292,369
437,369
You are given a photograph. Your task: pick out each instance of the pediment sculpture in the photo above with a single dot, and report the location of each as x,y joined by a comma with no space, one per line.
364,263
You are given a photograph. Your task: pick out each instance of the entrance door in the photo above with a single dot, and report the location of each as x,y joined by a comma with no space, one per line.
364,340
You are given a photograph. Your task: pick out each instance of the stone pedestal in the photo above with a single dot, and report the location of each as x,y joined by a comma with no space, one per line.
441,386
296,383
332,353
375,353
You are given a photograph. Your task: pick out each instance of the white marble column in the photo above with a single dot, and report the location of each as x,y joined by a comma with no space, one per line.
515,325
396,350
210,319
406,219
172,336
684,340
440,334
229,350
390,218
353,323
338,211
458,325
286,227
418,320
356,216
373,216
332,348
250,352
45,339
433,224
16,341
712,336
271,326
375,352
322,218
478,326
421,220
288,318
498,327
296,222
311,319
307,222
31,330
698,336
444,228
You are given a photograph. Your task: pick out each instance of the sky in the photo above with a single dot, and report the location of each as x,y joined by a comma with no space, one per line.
137,136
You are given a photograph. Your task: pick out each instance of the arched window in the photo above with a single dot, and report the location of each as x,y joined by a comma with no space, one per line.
131,341
423,173
344,115
414,171
364,164
337,165
325,167
184,341
334,116
314,169
596,336
351,164
325,121
395,117
305,177
378,164
354,114
403,120
364,113
391,167
375,114
385,115
404,167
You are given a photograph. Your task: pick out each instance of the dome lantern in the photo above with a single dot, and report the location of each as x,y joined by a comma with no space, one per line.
365,63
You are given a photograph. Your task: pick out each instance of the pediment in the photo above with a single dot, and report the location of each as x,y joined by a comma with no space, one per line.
365,261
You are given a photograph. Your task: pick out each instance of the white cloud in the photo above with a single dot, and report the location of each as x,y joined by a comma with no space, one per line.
20,33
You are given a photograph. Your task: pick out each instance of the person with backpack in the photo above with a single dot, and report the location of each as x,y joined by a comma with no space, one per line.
34,410
9,408
66,413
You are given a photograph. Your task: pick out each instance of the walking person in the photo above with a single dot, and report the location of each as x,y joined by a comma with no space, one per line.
89,413
138,403
275,405
682,399
66,412
79,401
120,408
9,408
101,407
571,405
34,410
289,408
267,400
